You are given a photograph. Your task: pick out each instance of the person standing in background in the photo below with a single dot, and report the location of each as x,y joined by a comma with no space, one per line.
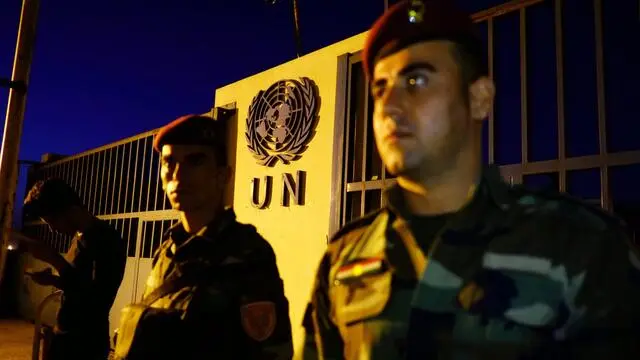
89,274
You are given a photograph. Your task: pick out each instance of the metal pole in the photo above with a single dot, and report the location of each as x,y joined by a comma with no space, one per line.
14,119
296,27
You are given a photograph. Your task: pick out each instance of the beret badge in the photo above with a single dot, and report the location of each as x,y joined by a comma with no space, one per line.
416,11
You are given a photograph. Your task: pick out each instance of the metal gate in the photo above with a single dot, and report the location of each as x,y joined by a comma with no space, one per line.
145,235
552,124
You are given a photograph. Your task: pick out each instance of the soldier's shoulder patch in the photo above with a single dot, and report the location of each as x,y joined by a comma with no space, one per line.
356,224
360,267
259,319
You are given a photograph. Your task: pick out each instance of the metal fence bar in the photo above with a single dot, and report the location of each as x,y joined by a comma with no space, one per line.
562,175
150,180
491,138
89,179
503,9
602,124
347,142
104,147
129,160
111,187
94,183
82,183
71,174
524,123
135,173
365,135
100,192
142,173
123,153
156,205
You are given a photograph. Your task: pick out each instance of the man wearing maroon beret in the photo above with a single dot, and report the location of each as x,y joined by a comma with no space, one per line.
458,264
215,291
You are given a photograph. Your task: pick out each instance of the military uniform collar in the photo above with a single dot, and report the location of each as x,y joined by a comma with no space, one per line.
208,233
492,191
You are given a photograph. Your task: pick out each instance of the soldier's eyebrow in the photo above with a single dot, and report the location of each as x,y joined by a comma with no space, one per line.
418,66
413,67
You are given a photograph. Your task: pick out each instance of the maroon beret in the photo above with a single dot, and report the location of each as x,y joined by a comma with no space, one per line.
409,22
190,130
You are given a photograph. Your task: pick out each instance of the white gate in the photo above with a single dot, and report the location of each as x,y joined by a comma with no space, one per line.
143,234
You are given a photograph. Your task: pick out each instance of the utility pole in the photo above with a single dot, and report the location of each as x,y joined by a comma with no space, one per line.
18,85
296,26
296,23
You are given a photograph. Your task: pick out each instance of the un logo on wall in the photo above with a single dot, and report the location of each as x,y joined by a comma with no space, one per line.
281,121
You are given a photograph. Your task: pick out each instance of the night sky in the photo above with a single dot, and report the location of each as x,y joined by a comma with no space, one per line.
108,69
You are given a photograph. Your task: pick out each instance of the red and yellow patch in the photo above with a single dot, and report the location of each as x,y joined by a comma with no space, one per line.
259,319
359,268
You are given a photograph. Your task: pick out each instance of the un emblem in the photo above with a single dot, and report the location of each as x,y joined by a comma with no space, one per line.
281,121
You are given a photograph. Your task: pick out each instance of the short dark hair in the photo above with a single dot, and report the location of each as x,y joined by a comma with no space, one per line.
471,57
50,197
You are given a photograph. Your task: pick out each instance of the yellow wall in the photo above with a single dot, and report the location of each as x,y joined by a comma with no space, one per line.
298,234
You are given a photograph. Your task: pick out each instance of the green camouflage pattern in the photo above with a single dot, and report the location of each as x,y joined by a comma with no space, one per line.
238,310
516,274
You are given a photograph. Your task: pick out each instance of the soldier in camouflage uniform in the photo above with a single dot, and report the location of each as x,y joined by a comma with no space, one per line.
458,264
214,291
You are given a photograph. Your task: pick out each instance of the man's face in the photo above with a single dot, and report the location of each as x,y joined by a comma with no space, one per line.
421,116
191,177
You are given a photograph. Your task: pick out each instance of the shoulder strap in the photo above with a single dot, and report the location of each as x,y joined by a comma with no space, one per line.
364,221
172,284
194,274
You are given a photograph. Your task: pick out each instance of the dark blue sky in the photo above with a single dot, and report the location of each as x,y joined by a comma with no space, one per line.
107,69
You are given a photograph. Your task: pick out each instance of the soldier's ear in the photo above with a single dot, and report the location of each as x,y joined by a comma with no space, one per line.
481,96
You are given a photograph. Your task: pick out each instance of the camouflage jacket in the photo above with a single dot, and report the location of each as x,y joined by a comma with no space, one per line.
238,310
513,275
